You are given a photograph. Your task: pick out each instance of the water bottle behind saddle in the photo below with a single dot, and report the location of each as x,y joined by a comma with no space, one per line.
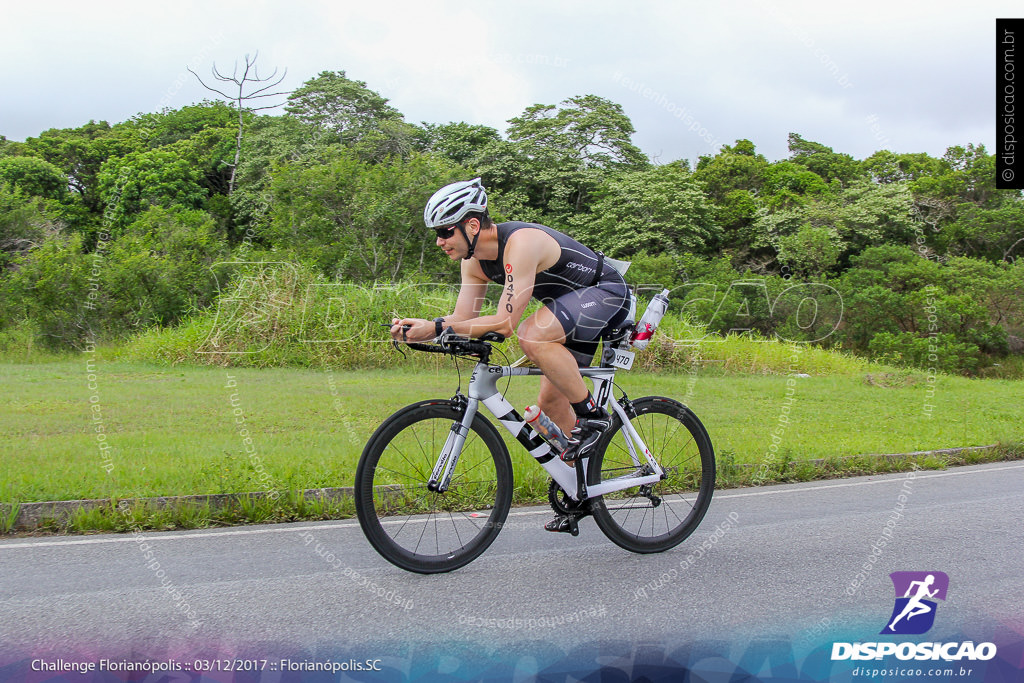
648,324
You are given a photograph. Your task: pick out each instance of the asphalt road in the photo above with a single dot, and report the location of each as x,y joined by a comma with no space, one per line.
783,564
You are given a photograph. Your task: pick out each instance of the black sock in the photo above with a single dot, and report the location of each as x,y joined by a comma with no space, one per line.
587,407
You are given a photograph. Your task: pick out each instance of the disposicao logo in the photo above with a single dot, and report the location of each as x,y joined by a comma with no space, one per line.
914,614
914,611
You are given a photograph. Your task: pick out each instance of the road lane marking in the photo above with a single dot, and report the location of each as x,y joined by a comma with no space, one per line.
205,534
862,483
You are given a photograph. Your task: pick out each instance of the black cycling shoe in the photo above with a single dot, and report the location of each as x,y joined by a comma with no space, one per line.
565,524
585,434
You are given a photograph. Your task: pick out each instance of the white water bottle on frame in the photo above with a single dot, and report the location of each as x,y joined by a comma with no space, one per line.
648,324
544,426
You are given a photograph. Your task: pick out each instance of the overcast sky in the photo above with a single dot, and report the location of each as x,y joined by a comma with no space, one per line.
863,76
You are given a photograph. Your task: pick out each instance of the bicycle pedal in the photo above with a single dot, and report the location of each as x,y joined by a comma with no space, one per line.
574,526
564,524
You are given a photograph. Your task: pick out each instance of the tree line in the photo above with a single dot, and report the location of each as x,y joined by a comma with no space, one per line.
108,230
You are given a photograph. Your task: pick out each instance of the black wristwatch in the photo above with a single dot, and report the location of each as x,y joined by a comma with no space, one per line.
438,326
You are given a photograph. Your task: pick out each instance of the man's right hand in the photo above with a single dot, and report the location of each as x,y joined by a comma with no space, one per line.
412,329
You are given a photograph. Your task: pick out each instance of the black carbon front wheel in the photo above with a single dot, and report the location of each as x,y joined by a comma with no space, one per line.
658,517
421,530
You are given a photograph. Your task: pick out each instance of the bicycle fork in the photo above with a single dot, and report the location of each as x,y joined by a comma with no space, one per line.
441,476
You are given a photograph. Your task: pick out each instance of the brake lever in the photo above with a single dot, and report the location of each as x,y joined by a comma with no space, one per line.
394,342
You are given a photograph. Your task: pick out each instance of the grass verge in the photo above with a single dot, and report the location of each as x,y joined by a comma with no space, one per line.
156,515
95,429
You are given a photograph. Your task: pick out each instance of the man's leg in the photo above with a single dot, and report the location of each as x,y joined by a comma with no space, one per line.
541,338
555,405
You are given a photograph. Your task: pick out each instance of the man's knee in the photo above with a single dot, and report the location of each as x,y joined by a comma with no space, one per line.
532,339
527,341
539,331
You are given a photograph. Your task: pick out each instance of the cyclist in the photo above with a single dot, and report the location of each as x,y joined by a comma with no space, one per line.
582,294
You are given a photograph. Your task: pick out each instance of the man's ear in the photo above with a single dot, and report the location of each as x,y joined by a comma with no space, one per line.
473,222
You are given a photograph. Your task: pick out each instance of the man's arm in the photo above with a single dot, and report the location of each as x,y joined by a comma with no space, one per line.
467,307
472,293
526,253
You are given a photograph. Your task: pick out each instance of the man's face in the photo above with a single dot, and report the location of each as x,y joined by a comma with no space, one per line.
455,245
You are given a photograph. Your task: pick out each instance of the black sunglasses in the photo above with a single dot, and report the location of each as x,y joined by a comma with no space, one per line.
445,233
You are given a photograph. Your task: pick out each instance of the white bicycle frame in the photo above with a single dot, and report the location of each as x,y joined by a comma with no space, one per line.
483,388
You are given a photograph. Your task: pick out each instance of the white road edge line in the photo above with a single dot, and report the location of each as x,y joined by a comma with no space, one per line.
866,483
204,534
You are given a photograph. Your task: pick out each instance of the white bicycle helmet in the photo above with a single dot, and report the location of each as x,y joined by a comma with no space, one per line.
449,204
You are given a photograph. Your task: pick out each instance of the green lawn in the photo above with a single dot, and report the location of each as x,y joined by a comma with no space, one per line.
178,430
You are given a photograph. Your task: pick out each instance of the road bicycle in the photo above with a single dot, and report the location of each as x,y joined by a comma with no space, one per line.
434,483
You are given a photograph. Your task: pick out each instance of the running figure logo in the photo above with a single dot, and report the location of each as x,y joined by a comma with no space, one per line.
914,612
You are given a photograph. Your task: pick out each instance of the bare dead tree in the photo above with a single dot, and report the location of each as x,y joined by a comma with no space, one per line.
1006,254
249,78
932,211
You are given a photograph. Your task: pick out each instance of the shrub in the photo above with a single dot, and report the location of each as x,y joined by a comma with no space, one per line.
942,352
